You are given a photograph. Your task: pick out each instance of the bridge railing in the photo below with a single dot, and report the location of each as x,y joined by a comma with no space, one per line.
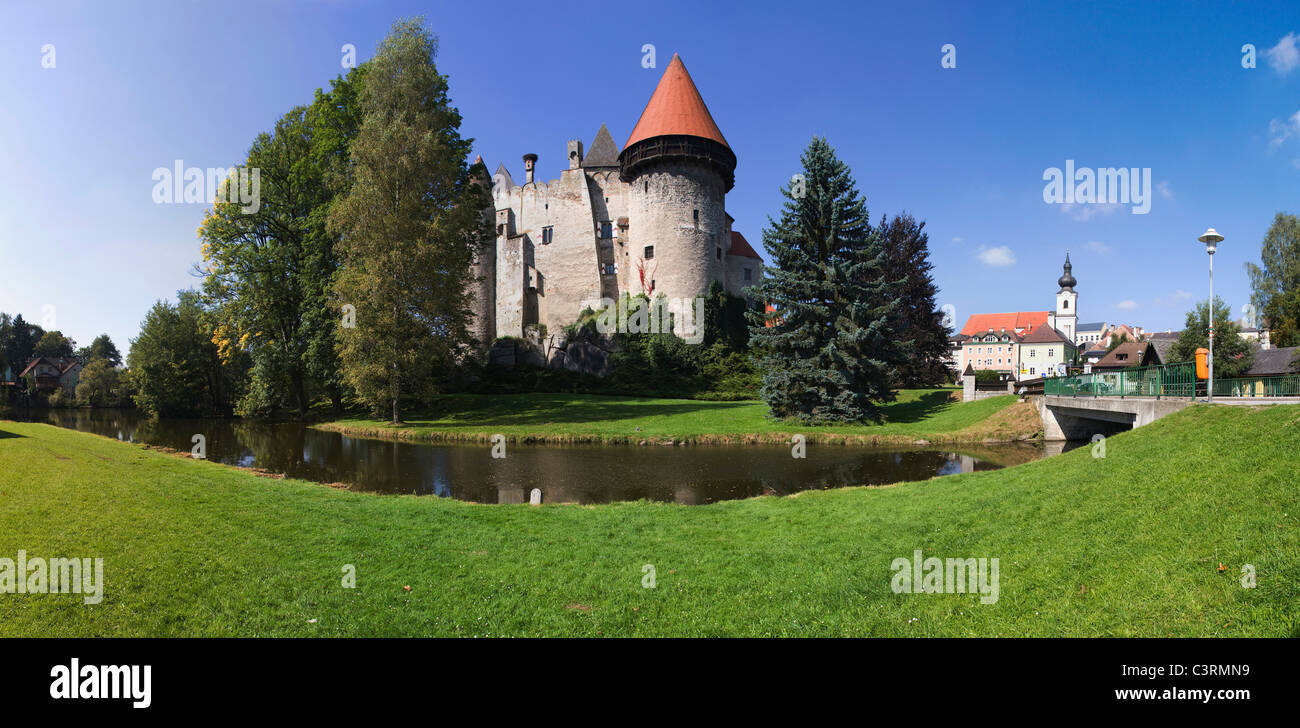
1287,385
1171,381
1168,381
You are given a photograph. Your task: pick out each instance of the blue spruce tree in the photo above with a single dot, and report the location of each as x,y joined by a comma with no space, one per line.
827,341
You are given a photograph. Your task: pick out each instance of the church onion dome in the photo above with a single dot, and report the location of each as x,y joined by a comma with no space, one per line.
1067,280
677,125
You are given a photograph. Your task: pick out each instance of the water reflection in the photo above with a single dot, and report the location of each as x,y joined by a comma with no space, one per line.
689,475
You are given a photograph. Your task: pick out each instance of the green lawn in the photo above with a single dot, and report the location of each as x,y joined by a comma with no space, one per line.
933,414
1126,545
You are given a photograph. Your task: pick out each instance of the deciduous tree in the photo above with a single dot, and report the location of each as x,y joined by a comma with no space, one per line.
409,225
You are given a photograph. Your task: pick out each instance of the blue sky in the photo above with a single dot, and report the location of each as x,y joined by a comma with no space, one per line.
137,86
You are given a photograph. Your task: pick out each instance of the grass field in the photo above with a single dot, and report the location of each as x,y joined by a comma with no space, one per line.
1129,544
932,414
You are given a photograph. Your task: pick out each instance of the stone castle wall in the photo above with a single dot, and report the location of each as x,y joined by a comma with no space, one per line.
676,208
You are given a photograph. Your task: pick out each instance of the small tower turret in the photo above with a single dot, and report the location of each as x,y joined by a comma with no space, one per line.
1067,318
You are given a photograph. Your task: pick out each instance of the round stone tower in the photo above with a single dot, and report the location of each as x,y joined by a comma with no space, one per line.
678,167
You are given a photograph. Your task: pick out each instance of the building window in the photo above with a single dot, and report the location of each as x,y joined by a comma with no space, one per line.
649,252
1033,353
719,253
1065,303
606,230
1051,353
548,234
749,274
609,269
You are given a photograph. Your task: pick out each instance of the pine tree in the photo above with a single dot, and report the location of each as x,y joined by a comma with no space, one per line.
829,348
907,251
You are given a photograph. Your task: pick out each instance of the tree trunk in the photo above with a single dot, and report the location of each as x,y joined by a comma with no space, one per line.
397,418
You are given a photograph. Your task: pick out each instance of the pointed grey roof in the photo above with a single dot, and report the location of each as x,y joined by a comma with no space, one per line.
504,175
603,151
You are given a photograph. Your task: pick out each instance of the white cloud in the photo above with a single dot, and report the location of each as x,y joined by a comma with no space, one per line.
1127,305
1285,56
1085,212
1163,189
1097,247
997,257
1283,130
958,240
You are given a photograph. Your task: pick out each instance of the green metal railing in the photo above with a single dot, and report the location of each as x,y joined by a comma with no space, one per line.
1172,381
1281,386
1166,380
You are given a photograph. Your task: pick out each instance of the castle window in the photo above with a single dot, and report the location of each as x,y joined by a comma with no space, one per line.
548,234
749,274
719,253
697,217
609,269
649,252
606,230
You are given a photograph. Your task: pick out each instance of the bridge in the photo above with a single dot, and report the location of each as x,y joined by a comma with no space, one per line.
1078,407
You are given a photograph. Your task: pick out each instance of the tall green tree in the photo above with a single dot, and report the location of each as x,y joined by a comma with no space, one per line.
97,384
19,340
907,260
101,348
408,224
829,346
175,363
270,271
1275,283
55,345
1233,355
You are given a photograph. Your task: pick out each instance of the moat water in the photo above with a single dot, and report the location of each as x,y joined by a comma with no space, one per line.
691,475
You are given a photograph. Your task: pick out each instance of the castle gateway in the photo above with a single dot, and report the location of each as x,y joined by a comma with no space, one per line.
649,219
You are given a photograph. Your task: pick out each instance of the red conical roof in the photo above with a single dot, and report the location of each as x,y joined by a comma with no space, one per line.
676,108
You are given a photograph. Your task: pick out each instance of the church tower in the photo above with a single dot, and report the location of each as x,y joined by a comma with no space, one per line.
678,168
1066,316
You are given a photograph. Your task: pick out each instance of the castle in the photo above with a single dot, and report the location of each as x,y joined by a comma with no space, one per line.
648,219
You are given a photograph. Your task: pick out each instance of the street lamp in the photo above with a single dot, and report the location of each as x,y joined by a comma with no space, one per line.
1211,238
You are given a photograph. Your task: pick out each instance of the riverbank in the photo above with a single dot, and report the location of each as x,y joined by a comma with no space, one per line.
1150,540
932,415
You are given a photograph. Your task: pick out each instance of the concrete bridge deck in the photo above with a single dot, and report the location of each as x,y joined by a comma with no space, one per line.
1079,418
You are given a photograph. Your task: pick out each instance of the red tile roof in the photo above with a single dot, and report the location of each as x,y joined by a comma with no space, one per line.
676,108
741,247
980,323
63,365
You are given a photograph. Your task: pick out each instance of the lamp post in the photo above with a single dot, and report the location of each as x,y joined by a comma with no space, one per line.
1211,238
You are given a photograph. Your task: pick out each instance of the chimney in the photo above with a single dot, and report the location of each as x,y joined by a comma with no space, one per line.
530,161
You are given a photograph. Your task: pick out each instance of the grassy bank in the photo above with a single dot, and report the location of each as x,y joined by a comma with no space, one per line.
930,414
1126,545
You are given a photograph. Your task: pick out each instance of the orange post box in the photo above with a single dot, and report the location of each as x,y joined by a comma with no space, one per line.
1202,363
